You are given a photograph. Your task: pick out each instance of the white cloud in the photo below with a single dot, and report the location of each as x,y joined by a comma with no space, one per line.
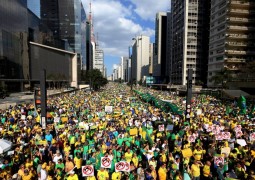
116,24
115,66
147,9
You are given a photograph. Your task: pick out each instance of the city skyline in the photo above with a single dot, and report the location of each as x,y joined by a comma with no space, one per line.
127,19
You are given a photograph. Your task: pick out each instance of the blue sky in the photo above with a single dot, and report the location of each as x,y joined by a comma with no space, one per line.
118,21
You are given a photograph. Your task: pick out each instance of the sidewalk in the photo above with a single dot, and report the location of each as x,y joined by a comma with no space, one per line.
22,97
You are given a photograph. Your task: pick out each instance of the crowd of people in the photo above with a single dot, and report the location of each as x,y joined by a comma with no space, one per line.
86,128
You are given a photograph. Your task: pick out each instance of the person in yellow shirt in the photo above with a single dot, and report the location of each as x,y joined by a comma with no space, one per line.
102,174
116,175
128,155
72,176
206,170
28,163
78,161
162,172
21,170
91,178
135,160
198,153
27,175
195,170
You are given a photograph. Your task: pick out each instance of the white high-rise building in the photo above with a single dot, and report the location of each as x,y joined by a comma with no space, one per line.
140,58
98,63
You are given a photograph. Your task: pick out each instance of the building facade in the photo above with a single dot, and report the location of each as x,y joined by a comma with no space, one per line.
98,63
67,20
159,63
140,58
232,35
189,40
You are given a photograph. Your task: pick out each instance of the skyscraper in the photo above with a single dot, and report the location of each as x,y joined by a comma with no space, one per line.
232,34
67,20
189,40
140,58
159,61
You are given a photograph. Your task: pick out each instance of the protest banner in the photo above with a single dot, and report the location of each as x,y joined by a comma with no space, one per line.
87,170
218,159
122,166
106,162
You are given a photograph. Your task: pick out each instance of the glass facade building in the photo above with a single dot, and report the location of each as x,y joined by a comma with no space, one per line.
67,20
13,40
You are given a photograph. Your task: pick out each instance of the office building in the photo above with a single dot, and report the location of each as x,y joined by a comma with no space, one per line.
159,63
99,60
232,35
67,20
140,58
189,40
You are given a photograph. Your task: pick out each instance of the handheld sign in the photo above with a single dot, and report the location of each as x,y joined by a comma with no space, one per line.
161,127
87,170
218,160
122,166
106,162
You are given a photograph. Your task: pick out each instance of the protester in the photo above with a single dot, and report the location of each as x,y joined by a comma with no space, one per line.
121,134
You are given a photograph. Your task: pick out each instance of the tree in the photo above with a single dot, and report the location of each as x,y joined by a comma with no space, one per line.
222,77
95,78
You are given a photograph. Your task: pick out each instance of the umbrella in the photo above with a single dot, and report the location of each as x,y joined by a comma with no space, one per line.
5,145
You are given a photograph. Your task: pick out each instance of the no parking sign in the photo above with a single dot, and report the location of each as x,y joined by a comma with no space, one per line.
122,166
106,162
87,170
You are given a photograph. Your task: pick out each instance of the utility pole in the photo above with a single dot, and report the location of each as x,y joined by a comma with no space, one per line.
189,94
43,92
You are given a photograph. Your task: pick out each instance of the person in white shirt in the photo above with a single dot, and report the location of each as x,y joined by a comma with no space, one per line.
57,156
43,172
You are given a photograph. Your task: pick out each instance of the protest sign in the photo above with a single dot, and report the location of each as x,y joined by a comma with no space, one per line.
161,127
122,166
239,134
218,159
252,136
186,153
199,112
106,162
225,150
56,119
133,132
108,109
170,127
87,170
242,142
191,138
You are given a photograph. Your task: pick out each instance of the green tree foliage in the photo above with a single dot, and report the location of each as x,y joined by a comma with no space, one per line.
94,77
222,77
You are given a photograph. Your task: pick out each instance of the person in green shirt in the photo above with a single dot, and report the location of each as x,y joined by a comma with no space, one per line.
60,165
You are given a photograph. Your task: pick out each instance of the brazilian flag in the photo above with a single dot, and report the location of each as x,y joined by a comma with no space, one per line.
242,104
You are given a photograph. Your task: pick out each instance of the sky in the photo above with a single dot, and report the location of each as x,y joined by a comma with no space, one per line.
118,21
